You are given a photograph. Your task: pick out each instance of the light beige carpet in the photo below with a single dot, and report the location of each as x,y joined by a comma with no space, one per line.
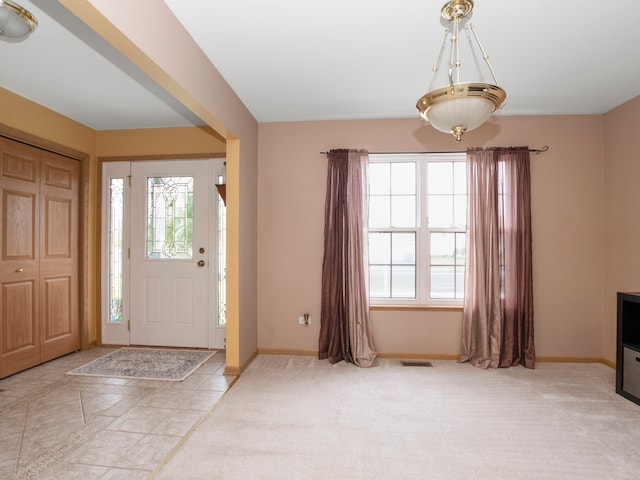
300,418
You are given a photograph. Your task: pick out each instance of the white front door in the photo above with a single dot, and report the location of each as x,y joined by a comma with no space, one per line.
169,254
170,277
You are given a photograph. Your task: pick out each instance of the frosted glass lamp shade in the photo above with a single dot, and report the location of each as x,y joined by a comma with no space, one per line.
465,112
460,108
15,22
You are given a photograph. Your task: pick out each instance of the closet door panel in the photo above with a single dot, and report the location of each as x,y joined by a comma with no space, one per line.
59,256
19,269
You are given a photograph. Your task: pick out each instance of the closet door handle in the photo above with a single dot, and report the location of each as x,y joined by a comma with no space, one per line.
19,270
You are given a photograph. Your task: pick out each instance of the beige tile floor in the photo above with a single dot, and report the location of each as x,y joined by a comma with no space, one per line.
55,426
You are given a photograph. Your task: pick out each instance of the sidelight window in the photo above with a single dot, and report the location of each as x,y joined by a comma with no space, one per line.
115,254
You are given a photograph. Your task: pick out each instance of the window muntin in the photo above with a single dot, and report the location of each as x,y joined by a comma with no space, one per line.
417,222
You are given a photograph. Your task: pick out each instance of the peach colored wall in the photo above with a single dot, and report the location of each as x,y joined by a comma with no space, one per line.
567,202
622,211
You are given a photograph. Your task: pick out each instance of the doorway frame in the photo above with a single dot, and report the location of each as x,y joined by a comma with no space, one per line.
99,230
215,166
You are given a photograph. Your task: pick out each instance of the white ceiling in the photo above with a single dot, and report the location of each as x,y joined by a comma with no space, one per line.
68,68
292,60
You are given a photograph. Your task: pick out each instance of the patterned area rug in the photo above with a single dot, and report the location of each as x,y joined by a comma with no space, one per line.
145,363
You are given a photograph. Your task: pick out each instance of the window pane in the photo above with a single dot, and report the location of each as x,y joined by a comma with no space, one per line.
461,249
379,248
403,282
459,211
460,178
403,178
379,212
403,211
404,249
379,281
443,246
379,174
116,241
440,211
169,217
442,282
460,282
440,179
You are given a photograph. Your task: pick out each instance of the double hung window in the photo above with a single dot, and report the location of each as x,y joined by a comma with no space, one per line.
417,221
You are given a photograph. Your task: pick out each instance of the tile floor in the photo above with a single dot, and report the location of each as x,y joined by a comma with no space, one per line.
54,425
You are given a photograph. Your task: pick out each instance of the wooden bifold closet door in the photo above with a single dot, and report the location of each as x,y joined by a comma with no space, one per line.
39,317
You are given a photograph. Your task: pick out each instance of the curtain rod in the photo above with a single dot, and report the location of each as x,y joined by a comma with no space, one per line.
537,151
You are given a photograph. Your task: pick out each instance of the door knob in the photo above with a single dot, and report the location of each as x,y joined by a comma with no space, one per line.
201,249
201,263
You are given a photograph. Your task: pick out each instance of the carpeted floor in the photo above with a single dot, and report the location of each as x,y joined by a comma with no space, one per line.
145,363
299,418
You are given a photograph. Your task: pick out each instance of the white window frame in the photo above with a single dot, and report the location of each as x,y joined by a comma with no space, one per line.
421,229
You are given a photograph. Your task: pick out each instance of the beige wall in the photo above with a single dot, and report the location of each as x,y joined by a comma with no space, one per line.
24,115
622,212
158,141
567,196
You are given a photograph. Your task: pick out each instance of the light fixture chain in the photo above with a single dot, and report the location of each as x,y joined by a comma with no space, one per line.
484,55
439,60
454,61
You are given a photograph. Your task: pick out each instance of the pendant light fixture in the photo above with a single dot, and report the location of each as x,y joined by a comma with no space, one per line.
459,107
16,23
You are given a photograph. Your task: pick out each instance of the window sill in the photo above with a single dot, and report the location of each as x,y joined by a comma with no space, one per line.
421,308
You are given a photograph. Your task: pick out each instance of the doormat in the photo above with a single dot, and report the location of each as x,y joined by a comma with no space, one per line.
146,364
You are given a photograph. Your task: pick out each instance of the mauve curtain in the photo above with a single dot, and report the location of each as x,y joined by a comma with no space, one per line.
497,326
345,330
